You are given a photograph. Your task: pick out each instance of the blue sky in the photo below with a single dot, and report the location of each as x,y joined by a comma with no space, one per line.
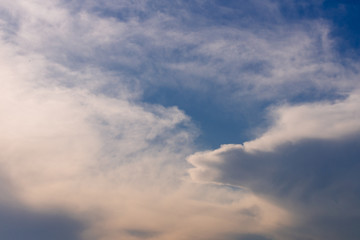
203,119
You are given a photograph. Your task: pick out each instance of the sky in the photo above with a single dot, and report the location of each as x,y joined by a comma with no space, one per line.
162,120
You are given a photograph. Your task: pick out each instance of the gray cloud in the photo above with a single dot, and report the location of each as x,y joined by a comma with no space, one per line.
250,237
143,234
307,162
21,224
317,180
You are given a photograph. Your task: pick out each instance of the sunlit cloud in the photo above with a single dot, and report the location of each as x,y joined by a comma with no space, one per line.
86,154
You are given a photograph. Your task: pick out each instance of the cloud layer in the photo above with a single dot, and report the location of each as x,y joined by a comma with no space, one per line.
307,162
85,154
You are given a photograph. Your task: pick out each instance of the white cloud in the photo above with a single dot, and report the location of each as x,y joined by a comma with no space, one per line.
71,140
290,125
110,161
306,162
324,120
251,60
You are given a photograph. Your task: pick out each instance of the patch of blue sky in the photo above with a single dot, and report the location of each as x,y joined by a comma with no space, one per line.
345,16
218,123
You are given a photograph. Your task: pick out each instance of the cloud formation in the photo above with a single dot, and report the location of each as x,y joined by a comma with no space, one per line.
86,154
72,144
306,162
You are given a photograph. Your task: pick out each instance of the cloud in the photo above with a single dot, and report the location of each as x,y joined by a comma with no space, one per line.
78,137
158,50
24,224
101,156
306,162
320,120
251,237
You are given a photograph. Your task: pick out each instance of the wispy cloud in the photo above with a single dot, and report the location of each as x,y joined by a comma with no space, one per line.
81,150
